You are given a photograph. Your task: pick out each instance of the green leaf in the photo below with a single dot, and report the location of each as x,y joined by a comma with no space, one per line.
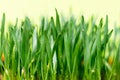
67,51
34,42
53,29
58,26
2,28
42,24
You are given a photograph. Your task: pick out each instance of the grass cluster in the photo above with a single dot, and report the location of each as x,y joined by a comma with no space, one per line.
59,50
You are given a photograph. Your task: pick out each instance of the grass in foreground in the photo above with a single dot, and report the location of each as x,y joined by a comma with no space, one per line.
59,51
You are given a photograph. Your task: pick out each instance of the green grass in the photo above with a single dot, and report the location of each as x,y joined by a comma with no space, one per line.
59,50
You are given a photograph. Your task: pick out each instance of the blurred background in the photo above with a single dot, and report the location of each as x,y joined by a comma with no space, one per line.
36,8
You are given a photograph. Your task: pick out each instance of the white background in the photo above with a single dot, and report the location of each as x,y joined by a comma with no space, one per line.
36,8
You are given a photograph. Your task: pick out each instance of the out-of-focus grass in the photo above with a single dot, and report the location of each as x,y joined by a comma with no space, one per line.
58,50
